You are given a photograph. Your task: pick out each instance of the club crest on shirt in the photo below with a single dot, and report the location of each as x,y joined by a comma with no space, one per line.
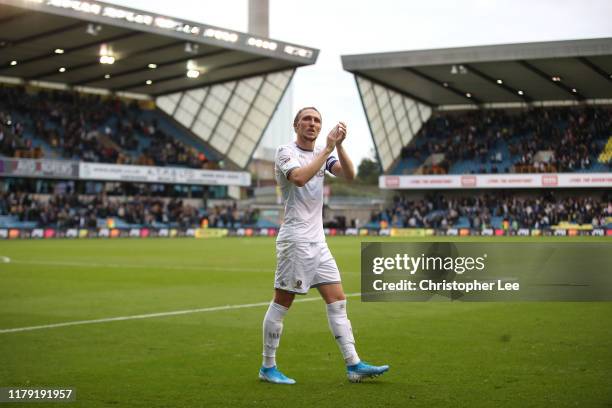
298,284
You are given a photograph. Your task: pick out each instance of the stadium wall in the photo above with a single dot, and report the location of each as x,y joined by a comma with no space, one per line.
150,233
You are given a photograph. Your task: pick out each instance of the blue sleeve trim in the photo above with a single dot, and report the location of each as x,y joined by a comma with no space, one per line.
289,171
330,164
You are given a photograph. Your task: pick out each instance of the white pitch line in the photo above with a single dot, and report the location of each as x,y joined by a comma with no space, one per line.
147,266
152,315
5,259
141,266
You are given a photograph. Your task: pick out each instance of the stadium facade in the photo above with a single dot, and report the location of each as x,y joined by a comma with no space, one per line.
400,90
119,122
221,85
512,139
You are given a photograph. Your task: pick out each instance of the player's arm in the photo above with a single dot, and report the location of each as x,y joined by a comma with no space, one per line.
302,175
344,166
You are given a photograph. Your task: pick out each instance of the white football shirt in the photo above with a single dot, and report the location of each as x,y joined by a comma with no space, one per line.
303,221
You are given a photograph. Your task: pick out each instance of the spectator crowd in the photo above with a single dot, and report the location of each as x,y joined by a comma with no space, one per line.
90,128
75,211
433,211
441,211
571,137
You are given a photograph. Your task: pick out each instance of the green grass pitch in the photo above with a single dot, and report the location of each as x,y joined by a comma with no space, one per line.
441,354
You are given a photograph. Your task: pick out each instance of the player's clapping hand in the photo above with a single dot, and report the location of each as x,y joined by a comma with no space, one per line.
332,138
341,133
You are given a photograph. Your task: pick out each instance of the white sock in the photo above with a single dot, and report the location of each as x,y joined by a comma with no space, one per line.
272,329
341,328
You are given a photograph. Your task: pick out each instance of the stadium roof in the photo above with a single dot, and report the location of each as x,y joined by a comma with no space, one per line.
63,41
510,73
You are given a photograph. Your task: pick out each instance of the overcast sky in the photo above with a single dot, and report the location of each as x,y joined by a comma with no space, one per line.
339,27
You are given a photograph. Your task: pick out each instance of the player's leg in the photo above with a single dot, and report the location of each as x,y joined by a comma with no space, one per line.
272,330
327,281
288,271
339,324
283,298
273,325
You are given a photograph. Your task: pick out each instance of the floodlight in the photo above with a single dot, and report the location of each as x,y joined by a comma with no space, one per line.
193,73
107,59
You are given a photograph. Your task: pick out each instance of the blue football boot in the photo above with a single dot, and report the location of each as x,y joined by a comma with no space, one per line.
273,375
362,370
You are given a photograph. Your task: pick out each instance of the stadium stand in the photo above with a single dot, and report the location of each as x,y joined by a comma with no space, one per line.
68,125
497,141
183,121
25,211
492,140
500,210
528,102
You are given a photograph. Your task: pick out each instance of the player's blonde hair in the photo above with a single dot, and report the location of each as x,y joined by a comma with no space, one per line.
297,116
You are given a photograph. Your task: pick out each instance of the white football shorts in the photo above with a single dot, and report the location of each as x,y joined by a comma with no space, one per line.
304,265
